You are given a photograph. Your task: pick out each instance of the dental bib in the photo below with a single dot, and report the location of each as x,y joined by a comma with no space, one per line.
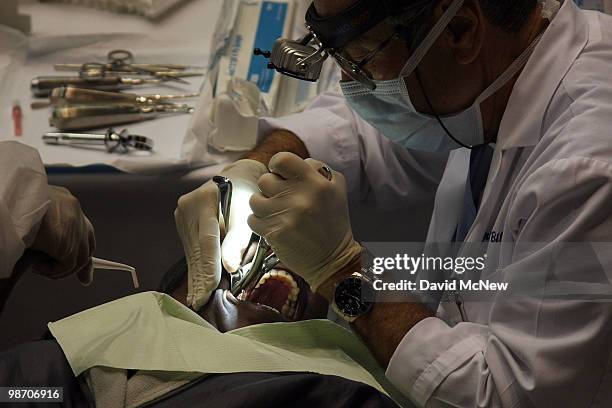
153,332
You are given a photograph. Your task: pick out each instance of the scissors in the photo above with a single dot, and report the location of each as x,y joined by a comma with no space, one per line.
121,61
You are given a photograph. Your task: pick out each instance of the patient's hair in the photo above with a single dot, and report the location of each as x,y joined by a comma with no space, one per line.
173,278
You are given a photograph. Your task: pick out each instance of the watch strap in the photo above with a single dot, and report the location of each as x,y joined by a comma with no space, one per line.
367,265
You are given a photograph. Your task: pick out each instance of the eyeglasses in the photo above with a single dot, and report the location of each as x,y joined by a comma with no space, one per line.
355,69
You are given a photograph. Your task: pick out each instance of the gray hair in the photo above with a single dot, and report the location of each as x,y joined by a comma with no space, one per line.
509,15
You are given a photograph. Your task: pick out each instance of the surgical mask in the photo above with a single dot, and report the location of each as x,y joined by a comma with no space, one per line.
389,107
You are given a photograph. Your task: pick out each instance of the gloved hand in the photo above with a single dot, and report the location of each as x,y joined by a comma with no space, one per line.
67,237
197,222
304,217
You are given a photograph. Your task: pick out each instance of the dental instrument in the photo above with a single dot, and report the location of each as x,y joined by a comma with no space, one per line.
98,116
115,142
99,263
72,95
244,279
42,86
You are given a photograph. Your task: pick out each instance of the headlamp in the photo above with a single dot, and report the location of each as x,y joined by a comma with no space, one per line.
303,59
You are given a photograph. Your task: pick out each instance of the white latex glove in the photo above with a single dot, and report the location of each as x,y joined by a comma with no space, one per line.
197,222
67,237
304,217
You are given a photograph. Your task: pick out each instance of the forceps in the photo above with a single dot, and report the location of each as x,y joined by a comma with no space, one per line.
122,61
244,278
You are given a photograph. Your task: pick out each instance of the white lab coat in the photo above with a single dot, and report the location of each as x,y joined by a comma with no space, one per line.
550,181
24,199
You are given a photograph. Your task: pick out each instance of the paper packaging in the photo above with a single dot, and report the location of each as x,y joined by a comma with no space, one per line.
257,25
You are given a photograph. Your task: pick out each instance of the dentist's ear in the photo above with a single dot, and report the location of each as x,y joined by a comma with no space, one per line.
465,33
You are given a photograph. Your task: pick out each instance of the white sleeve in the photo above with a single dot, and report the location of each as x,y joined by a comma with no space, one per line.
538,351
24,199
371,163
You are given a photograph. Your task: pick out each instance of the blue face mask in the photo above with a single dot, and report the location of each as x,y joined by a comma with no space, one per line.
390,109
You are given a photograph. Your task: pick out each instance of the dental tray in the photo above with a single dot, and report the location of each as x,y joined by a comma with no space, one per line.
148,8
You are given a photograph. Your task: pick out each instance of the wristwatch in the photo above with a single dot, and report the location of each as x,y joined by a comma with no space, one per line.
354,296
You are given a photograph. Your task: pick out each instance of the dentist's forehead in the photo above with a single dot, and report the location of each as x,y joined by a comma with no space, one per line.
327,8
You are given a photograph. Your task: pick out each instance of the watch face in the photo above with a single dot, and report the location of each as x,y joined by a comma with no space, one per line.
348,297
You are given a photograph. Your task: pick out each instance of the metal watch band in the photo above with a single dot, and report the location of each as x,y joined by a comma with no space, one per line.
367,265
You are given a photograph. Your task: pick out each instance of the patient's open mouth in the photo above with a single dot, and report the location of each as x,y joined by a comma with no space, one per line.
279,290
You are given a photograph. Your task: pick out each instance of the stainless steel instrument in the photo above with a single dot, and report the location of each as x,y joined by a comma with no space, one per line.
100,116
114,142
42,86
71,95
248,279
121,62
248,275
153,67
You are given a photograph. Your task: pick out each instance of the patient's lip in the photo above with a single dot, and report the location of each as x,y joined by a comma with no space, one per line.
230,297
254,306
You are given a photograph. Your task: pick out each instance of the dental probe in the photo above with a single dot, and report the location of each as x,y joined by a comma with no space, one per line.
99,263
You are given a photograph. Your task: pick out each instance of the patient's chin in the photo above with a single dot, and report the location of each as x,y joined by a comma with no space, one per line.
282,291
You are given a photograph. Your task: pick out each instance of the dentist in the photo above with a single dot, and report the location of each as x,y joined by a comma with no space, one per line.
516,98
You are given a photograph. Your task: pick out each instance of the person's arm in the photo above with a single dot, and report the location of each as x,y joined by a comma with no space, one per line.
374,167
530,350
275,142
24,201
384,327
47,220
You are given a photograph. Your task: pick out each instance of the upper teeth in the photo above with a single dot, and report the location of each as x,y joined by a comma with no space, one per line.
290,305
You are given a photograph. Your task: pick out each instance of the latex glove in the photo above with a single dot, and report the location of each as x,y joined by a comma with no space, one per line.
305,218
197,222
67,237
